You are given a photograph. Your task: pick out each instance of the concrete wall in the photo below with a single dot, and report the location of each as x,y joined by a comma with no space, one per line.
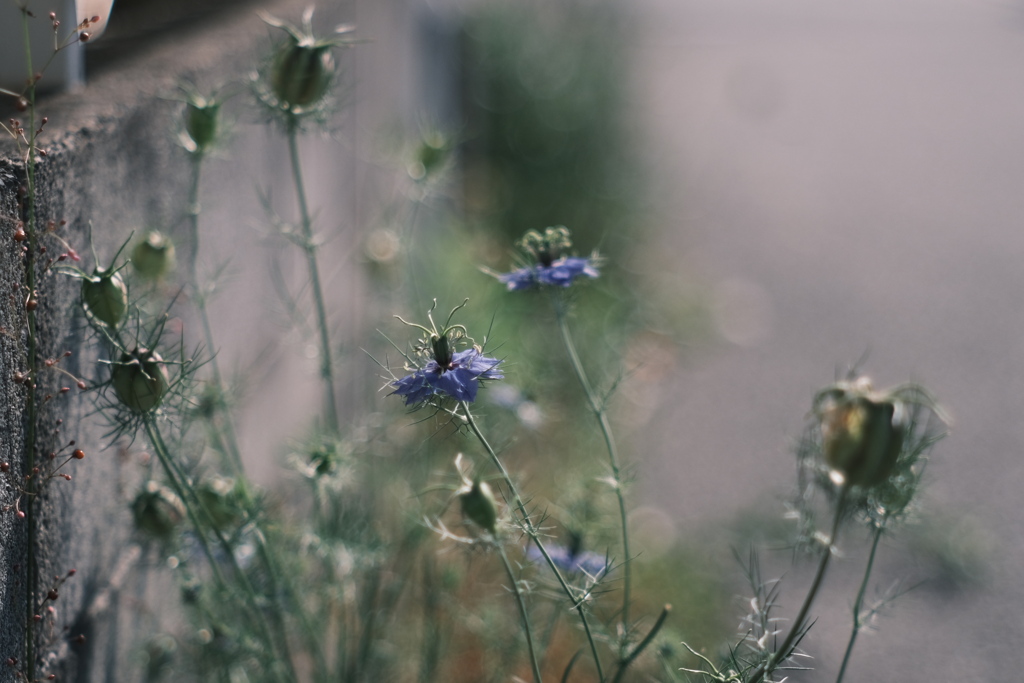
113,167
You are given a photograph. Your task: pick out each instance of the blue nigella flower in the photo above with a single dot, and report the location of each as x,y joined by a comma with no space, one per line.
459,378
572,559
448,373
560,273
551,267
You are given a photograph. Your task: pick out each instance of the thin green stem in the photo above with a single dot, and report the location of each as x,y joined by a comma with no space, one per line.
229,438
522,612
534,535
642,645
180,484
164,456
597,407
227,434
859,603
310,247
782,653
31,566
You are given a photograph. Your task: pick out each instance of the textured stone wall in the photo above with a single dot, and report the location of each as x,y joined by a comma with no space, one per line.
113,167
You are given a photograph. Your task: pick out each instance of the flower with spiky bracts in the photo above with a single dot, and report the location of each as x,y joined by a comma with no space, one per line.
447,373
202,125
863,431
549,262
297,78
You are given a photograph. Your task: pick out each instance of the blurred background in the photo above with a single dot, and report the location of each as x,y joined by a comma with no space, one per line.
782,190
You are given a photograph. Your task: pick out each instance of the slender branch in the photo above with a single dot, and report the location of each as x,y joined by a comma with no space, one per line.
534,535
859,603
164,457
597,406
229,438
642,645
179,482
227,435
31,566
782,653
522,612
326,355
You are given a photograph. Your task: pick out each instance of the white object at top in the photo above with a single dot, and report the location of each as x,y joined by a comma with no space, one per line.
66,68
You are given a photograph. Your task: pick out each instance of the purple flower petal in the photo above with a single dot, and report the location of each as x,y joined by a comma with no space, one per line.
414,388
560,273
460,383
518,279
591,563
460,380
479,364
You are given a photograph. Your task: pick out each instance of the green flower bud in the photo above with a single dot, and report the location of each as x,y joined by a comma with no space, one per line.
219,498
201,123
157,511
153,257
862,438
324,458
105,297
479,507
430,156
301,73
139,380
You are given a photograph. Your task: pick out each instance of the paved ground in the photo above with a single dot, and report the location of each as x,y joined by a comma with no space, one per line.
847,176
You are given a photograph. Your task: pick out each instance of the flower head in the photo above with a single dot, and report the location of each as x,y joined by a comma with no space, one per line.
864,431
202,127
447,373
549,265
572,558
300,73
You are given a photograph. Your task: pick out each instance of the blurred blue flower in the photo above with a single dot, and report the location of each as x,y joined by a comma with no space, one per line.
458,378
572,560
560,273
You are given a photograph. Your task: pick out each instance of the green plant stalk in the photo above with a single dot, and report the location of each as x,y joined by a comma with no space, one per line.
309,246
31,566
597,407
522,612
859,603
163,455
180,483
642,645
310,633
229,438
430,656
778,656
534,535
227,435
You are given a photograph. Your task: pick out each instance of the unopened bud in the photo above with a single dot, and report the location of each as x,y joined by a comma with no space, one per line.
139,380
862,438
301,74
105,296
153,257
201,123
221,501
157,510
479,507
